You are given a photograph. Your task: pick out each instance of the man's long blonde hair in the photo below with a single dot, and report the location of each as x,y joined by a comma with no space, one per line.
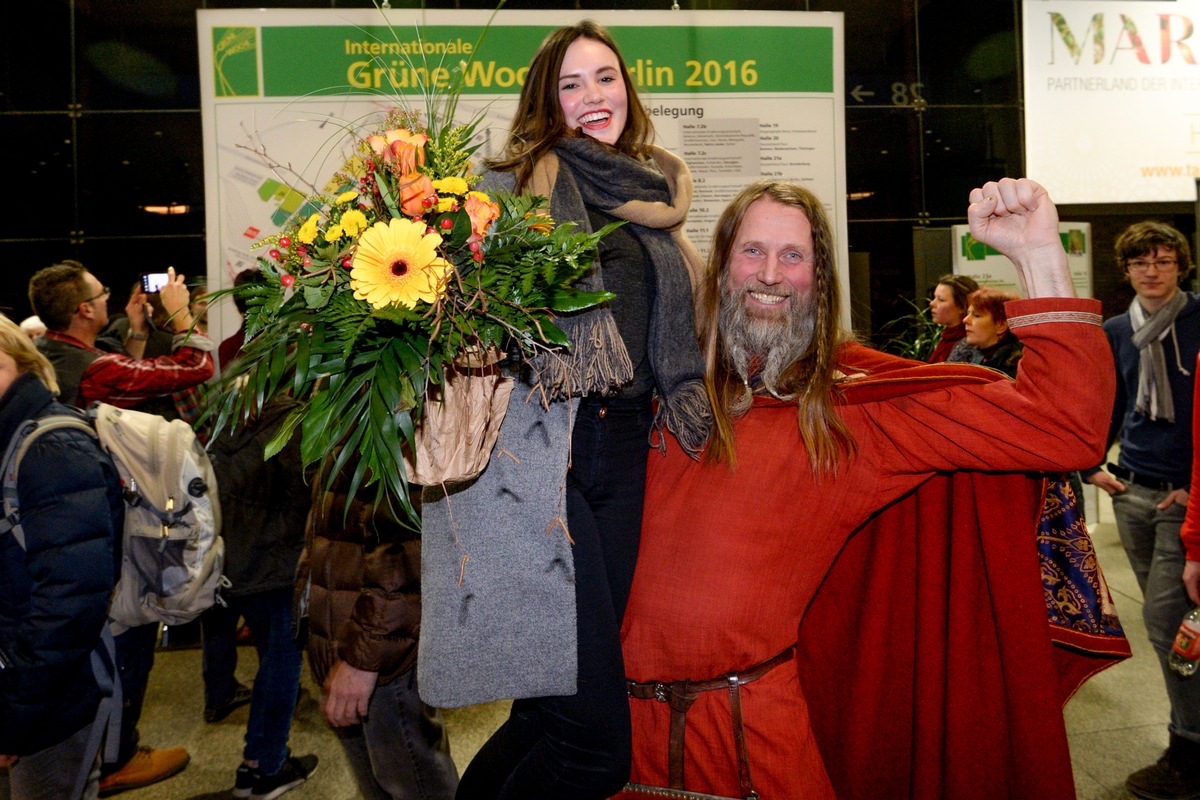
812,378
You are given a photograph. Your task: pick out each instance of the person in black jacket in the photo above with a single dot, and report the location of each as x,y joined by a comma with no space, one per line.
54,592
264,504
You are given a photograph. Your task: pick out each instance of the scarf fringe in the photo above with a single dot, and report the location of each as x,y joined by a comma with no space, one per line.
597,361
687,414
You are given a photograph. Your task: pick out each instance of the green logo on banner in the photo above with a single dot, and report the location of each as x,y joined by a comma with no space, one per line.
975,250
235,62
663,58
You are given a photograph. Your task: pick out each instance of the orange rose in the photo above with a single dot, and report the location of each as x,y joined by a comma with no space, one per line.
483,211
414,188
401,148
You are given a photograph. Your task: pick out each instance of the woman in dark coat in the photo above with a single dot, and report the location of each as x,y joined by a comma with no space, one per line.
54,592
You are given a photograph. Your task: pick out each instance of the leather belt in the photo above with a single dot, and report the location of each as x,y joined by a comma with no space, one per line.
680,695
1129,476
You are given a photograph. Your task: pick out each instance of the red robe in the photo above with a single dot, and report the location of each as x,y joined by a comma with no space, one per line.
925,667
1190,533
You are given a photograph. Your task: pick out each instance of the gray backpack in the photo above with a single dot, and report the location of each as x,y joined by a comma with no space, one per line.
172,551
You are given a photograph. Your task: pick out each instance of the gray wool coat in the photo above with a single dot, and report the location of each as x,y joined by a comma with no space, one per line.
506,627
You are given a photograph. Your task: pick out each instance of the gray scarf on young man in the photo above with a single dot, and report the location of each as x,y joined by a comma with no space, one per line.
654,197
1154,399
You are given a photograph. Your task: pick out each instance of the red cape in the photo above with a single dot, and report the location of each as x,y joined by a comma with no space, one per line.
941,642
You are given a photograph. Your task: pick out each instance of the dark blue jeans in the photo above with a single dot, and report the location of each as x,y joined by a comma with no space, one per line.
579,747
135,657
400,751
269,615
218,659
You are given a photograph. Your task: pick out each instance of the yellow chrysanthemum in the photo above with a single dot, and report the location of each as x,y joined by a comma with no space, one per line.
333,233
451,185
354,222
346,197
444,204
397,263
308,231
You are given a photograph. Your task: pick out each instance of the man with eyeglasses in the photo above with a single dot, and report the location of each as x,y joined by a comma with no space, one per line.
1154,346
73,304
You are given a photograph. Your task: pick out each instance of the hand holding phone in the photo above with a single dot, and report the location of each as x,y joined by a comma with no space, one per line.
152,282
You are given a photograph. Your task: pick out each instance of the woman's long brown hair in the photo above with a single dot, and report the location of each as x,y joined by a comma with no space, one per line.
539,123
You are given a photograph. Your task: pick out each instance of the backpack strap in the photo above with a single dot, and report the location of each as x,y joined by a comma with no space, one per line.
27,432
107,726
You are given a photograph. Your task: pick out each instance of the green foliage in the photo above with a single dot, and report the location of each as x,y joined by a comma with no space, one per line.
362,368
913,336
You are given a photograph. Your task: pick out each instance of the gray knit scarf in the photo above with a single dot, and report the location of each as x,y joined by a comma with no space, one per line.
1154,399
654,196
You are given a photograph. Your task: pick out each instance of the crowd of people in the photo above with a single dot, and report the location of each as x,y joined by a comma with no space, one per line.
683,628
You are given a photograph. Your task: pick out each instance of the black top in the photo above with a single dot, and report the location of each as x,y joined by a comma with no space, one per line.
627,268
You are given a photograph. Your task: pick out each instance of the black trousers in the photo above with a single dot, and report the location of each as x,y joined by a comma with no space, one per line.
579,747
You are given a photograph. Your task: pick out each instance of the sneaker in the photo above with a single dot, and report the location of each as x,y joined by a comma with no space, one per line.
147,766
241,695
1175,776
295,771
246,776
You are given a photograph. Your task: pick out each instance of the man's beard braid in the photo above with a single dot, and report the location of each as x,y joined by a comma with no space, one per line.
776,342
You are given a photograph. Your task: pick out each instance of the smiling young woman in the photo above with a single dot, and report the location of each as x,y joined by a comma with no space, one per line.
552,532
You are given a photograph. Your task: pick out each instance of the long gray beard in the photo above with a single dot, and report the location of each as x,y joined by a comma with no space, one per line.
778,342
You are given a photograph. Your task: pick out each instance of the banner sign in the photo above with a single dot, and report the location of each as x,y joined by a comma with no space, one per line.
990,269
1112,99
738,95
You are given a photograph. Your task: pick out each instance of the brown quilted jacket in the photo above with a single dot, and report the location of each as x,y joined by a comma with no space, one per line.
364,599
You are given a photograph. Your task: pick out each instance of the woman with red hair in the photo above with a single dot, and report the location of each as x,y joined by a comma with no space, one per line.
987,340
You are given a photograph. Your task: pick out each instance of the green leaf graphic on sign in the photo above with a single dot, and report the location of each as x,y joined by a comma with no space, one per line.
235,62
973,249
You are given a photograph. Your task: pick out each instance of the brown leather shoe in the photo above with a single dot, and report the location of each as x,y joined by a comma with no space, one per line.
147,766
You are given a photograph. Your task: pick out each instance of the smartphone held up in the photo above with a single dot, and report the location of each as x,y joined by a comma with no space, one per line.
154,281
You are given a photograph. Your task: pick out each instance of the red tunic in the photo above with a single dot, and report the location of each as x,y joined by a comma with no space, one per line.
731,560
1190,533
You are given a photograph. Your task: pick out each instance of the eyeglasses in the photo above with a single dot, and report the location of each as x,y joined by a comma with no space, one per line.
104,292
1141,266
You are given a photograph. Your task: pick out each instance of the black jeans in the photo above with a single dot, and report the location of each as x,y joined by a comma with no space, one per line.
135,658
579,747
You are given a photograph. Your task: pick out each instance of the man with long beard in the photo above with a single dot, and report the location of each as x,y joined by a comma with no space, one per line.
843,599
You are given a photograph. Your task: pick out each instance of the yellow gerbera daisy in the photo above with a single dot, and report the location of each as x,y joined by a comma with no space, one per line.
397,263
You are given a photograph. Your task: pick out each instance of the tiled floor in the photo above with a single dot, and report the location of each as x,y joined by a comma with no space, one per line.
1117,721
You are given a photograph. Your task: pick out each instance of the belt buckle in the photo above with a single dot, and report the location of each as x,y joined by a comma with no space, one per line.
660,692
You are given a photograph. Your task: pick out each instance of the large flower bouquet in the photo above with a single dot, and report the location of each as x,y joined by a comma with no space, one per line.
404,273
